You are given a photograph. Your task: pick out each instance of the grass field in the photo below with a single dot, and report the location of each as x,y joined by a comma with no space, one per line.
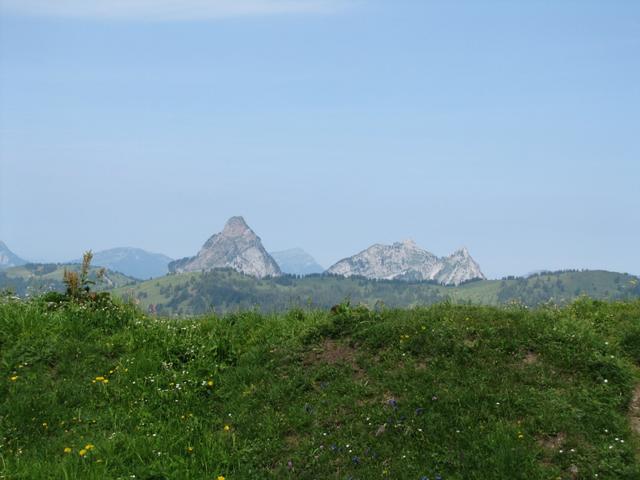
102,391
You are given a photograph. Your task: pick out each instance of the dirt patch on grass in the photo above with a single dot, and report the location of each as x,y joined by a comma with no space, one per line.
292,440
553,442
634,410
332,352
530,358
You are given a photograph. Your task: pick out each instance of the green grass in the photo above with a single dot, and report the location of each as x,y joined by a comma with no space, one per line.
465,392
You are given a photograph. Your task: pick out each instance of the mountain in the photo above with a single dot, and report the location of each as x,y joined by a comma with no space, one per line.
296,261
407,261
133,262
37,278
236,247
226,290
9,259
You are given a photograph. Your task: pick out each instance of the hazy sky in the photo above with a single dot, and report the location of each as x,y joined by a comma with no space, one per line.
512,128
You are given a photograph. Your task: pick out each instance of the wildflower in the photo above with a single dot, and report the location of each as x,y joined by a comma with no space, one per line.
419,411
210,383
14,378
82,452
189,449
226,428
67,450
45,425
89,446
220,477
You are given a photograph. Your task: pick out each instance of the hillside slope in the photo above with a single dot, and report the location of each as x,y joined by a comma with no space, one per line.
226,290
35,278
457,392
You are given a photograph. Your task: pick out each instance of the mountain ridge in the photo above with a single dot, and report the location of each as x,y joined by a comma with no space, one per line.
296,261
132,261
405,260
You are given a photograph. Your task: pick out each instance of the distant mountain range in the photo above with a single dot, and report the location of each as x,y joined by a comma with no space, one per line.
9,259
37,278
296,261
236,247
133,262
407,261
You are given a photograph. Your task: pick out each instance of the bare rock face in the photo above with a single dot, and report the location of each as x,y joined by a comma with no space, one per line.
407,261
236,247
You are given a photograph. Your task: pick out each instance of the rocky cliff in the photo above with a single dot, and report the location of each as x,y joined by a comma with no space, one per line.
407,261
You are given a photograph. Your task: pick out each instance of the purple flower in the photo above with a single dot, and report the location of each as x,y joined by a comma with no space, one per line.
393,403
419,411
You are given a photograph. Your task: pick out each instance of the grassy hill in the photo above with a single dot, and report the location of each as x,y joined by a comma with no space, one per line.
36,278
226,290
451,392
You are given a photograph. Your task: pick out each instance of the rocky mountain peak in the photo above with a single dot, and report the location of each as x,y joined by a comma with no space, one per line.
461,252
8,258
407,261
236,226
236,247
407,243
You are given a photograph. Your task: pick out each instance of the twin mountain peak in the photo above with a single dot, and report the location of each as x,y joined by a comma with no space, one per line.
239,248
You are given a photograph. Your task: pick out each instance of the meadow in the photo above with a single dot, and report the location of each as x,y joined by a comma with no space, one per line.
97,389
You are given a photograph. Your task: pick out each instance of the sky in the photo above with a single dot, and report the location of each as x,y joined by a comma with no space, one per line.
511,128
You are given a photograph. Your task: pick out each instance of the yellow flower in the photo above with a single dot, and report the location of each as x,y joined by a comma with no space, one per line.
210,383
14,378
82,452
227,428
67,450
220,477
89,446
189,449
106,380
100,379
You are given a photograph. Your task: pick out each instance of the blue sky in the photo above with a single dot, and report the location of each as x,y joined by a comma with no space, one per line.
512,128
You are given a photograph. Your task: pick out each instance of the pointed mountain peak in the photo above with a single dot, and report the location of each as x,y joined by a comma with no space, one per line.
236,247
8,258
461,252
236,226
